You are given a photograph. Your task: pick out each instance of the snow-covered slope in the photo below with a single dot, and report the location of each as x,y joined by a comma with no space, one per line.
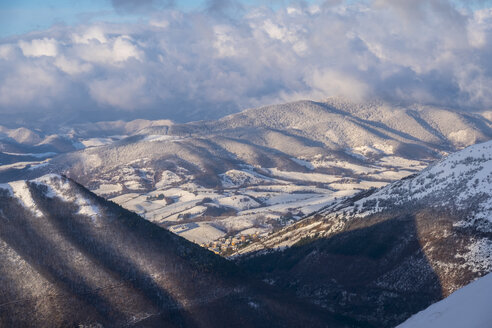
395,250
349,125
23,149
468,307
460,184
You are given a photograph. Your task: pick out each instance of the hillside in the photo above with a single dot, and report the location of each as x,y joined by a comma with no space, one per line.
390,252
70,258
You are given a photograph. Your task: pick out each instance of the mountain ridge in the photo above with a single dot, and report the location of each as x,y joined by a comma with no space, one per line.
467,307
97,263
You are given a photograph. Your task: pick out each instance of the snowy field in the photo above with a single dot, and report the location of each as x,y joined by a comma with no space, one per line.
252,200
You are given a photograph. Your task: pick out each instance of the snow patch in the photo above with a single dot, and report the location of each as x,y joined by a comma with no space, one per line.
106,189
237,178
95,142
23,195
156,138
63,189
199,233
479,256
168,178
36,155
304,163
463,138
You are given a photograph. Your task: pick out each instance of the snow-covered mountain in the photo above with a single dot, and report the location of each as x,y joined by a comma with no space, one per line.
243,176
24,139
23,149
399,248
460,184
70,258
467,307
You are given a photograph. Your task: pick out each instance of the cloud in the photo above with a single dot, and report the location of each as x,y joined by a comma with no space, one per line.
140,6
72,66
197,65
224,8
126,92
333,83
39,47
6,51
114,51
93,33
30,85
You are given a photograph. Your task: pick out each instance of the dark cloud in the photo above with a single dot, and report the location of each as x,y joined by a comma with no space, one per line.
224,8
141,6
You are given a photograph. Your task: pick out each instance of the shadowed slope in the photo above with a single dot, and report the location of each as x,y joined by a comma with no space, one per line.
375,271
68,257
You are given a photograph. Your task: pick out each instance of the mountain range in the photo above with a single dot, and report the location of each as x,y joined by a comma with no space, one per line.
251,173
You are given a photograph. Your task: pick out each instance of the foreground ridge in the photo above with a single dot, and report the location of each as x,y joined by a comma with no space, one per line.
68,257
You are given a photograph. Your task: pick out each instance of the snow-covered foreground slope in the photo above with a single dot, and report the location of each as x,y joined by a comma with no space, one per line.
468,307
69,258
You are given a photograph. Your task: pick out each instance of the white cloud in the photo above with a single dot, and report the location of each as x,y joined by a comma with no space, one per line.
72,66
479,28
6,51
333,83
224,41
274,31
123,49
28,85
125,92
93,33
194,65
39,47
114,51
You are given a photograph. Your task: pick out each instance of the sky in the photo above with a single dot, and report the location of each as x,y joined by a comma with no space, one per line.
22,16
192,60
